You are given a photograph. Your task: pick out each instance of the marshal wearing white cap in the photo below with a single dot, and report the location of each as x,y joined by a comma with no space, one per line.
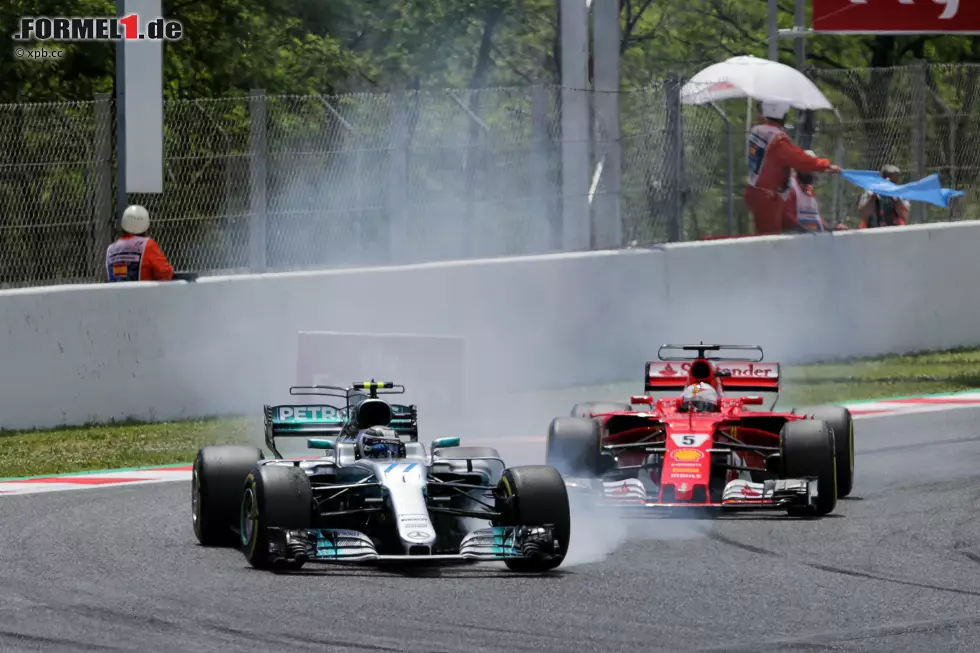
772,159
135,256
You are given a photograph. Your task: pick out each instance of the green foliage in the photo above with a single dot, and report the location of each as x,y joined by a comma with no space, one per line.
317,49
310,46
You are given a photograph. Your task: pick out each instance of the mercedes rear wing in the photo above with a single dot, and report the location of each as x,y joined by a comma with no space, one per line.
326,421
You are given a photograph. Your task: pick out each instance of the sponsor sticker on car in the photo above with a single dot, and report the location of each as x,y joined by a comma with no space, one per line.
688,439
301,414
687,455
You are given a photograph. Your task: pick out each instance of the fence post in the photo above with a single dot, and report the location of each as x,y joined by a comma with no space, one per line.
102,213
920,73
607,35
575,130
953,206
730,166
258,205
675,157
397,198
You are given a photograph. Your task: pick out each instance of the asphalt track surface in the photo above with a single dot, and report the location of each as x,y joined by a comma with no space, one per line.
895,569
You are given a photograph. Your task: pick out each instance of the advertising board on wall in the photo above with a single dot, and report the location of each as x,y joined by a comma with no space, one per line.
896,16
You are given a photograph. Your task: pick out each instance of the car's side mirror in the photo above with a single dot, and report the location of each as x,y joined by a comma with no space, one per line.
441,443
754,400
641,399
317,443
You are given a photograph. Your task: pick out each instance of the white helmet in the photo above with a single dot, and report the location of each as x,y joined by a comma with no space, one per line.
775,110
701,397
135,219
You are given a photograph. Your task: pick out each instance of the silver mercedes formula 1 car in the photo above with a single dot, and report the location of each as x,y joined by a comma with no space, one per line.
377,494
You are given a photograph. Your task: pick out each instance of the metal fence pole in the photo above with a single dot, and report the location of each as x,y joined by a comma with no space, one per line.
799,25
951,145
102,214
258,204
730,177
575,132
675,157
397,198
953,125
606,30
773,23
920,74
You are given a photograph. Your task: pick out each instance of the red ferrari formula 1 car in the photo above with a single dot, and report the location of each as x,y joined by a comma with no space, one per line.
699,448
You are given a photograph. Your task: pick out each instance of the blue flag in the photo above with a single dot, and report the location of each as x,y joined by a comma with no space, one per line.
925,190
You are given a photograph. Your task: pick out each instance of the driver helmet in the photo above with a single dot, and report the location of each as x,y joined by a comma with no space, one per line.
700,397
379,443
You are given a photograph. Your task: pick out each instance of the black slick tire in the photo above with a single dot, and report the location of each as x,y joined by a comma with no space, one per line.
574,447
842,424
216,491
535,495
807,451
274,497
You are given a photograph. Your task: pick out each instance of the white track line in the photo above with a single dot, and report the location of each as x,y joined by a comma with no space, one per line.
115,478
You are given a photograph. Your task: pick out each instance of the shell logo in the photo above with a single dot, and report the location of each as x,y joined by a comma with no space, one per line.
687,455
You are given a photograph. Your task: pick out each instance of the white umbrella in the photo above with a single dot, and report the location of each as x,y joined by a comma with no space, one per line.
754,78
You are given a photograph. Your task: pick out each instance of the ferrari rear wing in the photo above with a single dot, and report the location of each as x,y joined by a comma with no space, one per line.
703,349
739,377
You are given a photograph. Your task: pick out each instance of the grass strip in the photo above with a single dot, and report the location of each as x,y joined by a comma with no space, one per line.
125,445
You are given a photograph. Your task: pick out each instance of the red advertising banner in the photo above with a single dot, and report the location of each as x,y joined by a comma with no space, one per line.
896,16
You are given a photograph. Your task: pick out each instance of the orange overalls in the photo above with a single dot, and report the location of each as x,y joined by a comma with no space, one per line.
772,157
136,258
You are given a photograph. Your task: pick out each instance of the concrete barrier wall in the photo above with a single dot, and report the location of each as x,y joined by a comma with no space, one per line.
228,344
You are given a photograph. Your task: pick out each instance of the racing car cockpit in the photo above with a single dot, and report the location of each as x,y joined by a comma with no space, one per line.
700,398
378,443
368,413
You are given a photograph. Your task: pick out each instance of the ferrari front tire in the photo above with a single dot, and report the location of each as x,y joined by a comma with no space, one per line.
574,447
807,451
842,424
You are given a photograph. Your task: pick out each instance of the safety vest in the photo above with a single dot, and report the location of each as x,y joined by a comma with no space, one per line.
760,138
807,208
124,259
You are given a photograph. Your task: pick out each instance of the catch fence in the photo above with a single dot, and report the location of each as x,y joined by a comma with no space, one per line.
264,183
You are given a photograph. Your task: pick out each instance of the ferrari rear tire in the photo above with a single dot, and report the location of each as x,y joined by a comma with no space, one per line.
587,408
274,497
535,496
574,447
840,422
216,490
807,451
